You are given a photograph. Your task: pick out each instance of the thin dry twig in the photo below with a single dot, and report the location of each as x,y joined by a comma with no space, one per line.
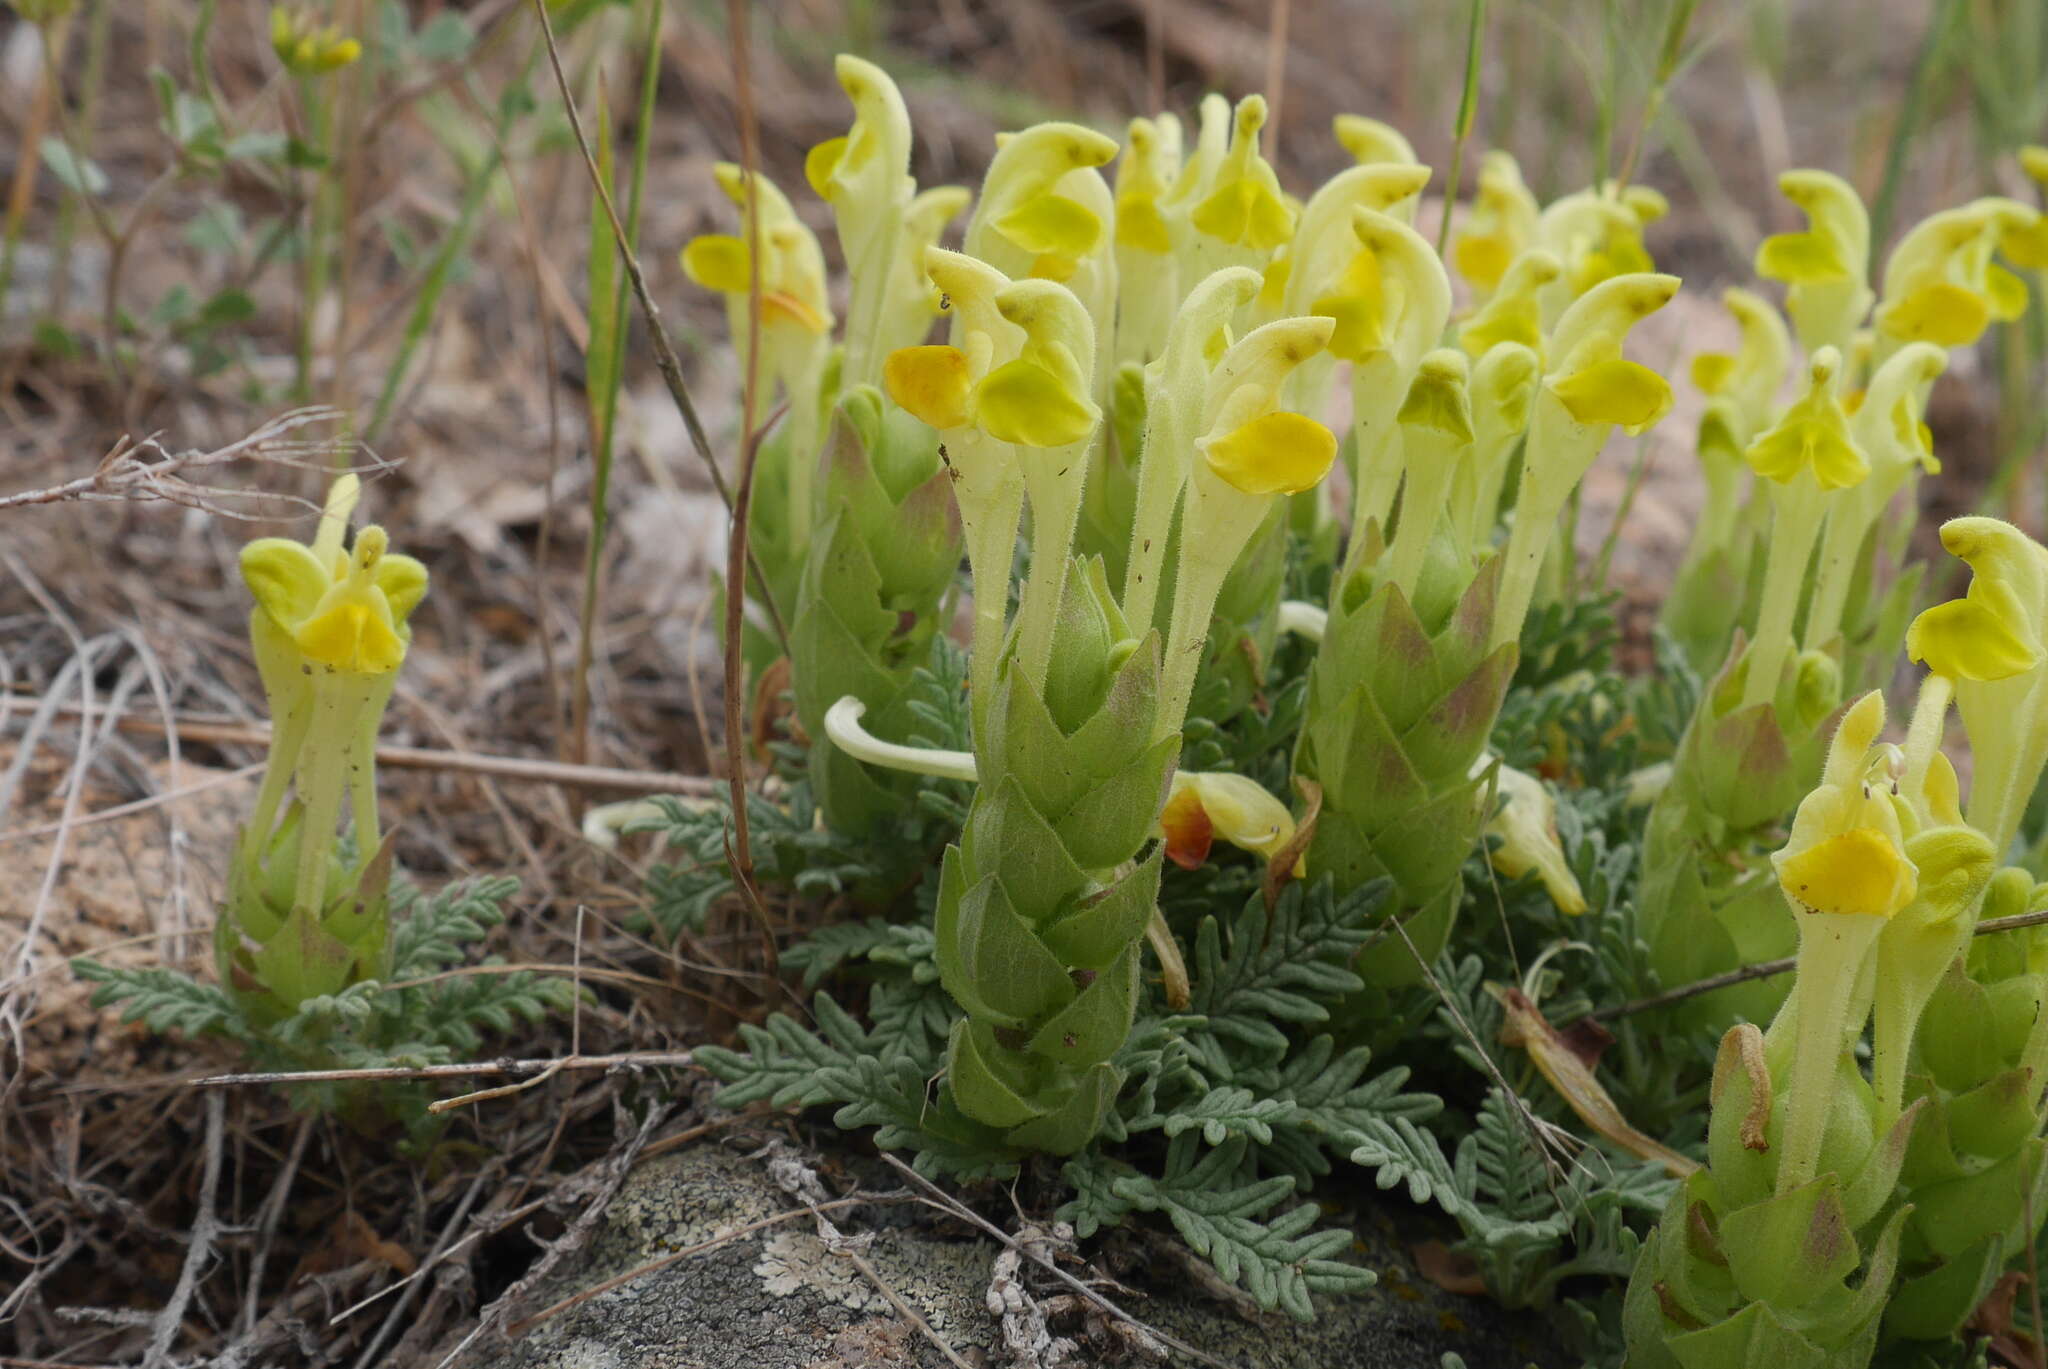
221,731
144,470
947,1203
740,851
675,1257
205,1227
616,1167
468,1070
1764,969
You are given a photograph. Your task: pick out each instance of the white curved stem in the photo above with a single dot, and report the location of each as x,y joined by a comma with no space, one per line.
842,725
602,824
1304,619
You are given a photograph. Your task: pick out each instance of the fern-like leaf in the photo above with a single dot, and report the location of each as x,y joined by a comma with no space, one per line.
162,1000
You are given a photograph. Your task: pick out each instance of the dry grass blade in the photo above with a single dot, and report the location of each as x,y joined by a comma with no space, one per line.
740,847
220,731
664,355
471,1070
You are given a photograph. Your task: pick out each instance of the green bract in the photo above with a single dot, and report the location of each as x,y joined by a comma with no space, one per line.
881,560
1038,932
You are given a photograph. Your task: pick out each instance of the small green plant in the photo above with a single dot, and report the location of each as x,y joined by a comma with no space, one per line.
324,961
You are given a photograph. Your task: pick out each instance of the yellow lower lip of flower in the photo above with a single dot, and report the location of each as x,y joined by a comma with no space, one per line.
1483,259
1614,391
1859,871
1979,638
352,636
1801,259
1279,453
820,162
931,382
1941,313
1022,402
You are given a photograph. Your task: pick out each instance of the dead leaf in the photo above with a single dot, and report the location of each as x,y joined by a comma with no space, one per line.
1568,1065
1448,1269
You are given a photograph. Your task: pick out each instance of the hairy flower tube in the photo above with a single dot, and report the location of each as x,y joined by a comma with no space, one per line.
796,317
941,384
1436,447
1250,451
1148,278
1809,456
1175,385
1589,390
1390,306
1826,268
1708,595
329,631
1887,427
1502,388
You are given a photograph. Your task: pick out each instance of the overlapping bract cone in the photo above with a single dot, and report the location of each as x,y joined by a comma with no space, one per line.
1402,699
881,560
1039,918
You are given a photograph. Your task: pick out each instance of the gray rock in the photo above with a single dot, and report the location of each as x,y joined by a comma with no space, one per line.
777,1298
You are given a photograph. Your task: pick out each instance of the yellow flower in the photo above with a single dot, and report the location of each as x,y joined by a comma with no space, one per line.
1596,237
1499,228
1276,453
1835,248
1526,825
1813,436
792,265
2025,242
1988,634
1846,853
1037,398
305,48
1204,806
1144,173
346,611
1513,311
1027,204
1940,284
1253,446
1744,385
1592,379
1370,142
1244,207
